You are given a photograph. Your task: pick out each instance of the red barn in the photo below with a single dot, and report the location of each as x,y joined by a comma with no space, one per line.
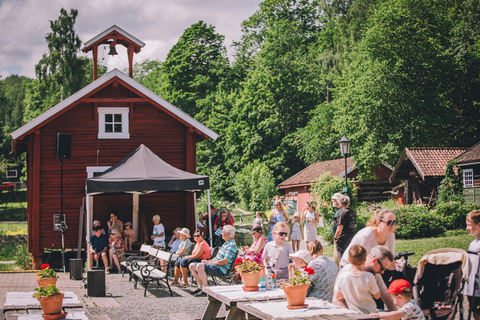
107,120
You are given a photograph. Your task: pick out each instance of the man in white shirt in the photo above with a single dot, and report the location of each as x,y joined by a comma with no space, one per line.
377,261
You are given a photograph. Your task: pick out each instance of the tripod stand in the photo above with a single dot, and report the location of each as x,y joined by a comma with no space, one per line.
11,191
62,230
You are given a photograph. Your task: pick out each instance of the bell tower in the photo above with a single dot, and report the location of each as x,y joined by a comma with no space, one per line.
113,36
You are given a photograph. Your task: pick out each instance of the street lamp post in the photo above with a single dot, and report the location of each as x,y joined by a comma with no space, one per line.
345,150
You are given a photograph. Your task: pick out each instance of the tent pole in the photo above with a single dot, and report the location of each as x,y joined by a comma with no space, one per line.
195,209
209,218
89,229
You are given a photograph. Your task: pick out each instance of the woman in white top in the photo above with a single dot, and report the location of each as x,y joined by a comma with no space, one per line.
379,232
311,218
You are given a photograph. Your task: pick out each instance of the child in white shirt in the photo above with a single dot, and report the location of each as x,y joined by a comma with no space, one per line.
158,235
357,287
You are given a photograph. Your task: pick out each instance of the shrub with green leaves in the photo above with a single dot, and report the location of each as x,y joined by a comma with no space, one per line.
418,222
255,186
23,259
454,213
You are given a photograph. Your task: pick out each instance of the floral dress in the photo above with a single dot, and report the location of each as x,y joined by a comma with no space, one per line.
255,257
323,280
119,244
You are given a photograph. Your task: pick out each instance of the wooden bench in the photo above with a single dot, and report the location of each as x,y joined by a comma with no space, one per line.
153,272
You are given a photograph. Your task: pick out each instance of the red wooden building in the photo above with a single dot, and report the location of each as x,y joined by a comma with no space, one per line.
107,120
297,187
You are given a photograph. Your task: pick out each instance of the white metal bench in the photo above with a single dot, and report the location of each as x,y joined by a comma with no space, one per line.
153,272
135,262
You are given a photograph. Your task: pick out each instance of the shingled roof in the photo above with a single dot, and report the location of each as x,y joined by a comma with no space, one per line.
471,156
312,172
428,162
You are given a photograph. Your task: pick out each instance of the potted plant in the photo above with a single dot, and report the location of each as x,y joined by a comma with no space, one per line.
296,288
250,273
51,300
46,276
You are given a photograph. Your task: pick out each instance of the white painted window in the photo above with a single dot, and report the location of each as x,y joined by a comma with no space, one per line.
468,178
12,174
113,123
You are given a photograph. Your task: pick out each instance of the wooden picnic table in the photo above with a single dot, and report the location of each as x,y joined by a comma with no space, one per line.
316,310
231,296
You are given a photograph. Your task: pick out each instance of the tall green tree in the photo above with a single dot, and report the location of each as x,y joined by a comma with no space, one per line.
395,90
194,67
60,73
280,87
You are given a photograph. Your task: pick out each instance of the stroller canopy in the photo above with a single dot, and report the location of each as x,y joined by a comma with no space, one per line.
443,256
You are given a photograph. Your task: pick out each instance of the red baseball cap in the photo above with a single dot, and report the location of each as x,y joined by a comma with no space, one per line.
398,286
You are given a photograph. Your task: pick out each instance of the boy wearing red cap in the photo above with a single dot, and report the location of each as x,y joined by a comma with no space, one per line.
401,292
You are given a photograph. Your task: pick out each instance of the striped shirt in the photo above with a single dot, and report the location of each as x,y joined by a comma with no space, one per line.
227,251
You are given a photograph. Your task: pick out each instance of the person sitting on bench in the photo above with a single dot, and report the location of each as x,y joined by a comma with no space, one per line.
98,247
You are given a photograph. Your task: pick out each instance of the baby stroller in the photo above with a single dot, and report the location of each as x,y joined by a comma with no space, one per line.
439,282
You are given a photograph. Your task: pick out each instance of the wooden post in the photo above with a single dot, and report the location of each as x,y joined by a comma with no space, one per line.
130,60
95,58
35,239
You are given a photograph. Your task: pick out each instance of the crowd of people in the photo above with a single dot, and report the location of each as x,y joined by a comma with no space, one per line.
354,281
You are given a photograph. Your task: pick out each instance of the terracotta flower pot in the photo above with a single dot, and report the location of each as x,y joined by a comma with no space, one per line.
44,282
250,280
296,296
51,305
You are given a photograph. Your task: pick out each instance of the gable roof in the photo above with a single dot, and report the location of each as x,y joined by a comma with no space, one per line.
471,156
313,171
428,162
105,33
49,115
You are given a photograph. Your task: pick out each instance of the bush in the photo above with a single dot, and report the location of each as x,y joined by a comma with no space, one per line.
454,213
23,258
255,186
417,222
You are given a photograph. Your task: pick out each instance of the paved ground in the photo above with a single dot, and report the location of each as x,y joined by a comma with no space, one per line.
122,300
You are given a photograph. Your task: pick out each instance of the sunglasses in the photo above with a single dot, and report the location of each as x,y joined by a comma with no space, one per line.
282,234
382,268
196,235
390,222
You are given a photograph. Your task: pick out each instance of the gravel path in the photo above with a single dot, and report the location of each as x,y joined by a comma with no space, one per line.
158,303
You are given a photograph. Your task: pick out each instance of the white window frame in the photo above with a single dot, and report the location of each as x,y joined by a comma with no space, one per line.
124,111
92,170
11,176
468,180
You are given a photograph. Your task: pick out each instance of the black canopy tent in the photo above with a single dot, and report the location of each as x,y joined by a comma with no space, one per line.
144,172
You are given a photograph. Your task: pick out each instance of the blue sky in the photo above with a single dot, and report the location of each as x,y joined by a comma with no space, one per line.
158,23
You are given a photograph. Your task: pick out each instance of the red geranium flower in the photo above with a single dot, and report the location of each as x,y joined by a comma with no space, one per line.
310,271
45,266
238,261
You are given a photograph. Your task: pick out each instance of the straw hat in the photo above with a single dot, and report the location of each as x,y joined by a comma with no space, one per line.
185,232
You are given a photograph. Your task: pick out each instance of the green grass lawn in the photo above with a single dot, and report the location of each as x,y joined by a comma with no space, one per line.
14,210
453,239
10,229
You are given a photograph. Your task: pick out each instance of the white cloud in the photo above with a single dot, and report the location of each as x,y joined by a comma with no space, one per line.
158,23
